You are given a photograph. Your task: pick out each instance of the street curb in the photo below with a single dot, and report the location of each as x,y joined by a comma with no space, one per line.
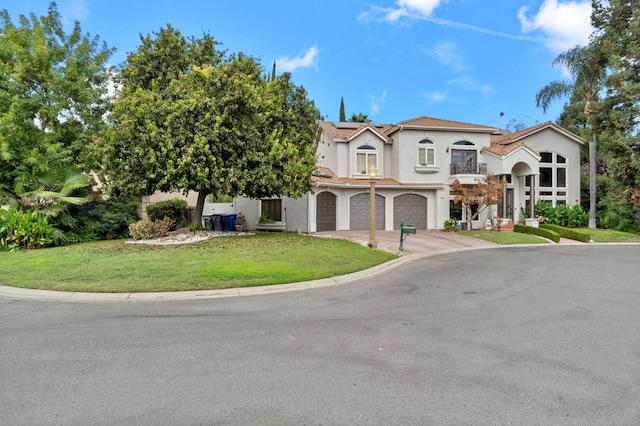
7,292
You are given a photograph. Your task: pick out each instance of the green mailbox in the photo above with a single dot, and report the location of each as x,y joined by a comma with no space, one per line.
404,231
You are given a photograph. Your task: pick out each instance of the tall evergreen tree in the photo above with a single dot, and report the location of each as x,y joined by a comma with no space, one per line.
617,44
343,118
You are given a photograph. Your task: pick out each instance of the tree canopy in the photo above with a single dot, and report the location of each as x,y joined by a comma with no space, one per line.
616,42
213,125
53,95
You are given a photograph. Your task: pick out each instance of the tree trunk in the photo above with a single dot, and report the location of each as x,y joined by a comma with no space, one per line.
592,181
197,214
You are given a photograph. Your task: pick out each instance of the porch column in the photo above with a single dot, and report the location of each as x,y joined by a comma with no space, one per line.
503,214
532,196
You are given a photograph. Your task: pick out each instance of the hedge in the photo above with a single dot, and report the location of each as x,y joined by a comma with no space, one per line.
541,232
572,234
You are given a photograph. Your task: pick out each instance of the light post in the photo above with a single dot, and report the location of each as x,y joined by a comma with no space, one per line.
373,173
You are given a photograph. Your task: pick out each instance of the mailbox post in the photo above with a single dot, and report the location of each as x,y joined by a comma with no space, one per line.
404,231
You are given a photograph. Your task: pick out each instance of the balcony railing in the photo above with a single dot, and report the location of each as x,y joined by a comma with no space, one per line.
468,169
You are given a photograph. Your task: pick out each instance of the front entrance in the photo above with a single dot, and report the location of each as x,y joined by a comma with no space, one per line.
505,209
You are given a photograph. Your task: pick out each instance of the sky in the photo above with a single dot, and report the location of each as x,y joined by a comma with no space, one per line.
464,60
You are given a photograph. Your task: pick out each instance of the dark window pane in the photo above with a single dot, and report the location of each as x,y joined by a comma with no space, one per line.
272,209
561,178
547,157
546,177
561,159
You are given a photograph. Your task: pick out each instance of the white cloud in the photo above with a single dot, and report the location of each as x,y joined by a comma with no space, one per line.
421,7
403,9
377,102
422,10
447,54
434,96
470,85
309,58
566,24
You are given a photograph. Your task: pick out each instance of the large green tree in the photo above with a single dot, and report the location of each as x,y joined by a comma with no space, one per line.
617,43
585,83
214,126
53,88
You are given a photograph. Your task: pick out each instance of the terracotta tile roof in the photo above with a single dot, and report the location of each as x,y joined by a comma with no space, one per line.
506,138
440,123
324,175
344,131
502,150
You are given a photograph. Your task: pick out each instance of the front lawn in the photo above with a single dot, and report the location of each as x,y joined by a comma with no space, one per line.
222,262
503,237
610,236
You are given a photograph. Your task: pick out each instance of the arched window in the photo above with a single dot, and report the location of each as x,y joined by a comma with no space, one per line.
426,153
366,156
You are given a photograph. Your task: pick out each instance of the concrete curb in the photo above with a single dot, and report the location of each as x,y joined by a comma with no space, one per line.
7,292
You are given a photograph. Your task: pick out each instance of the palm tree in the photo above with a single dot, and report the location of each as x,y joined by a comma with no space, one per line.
358,118
585,84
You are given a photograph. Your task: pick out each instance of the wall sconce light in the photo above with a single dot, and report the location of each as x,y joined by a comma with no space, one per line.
447,149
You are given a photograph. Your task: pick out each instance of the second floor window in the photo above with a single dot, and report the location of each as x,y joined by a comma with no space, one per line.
366,156
464,158
426,153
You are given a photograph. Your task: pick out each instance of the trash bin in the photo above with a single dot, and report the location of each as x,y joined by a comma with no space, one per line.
217,222
207,222
228,221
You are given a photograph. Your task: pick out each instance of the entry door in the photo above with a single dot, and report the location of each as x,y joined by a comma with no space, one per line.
506,209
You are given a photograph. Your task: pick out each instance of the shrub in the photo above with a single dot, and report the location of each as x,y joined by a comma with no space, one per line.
161,227
141,230
104,219
145,230
174,209
450,225
541,232
562,215
572,234
24,230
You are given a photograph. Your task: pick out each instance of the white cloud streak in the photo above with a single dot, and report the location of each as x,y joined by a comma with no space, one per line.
434,96
565,24
377,102
307,59
447,54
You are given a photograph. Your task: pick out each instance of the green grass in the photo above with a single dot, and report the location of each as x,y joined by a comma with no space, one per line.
223,262
500,237
610,236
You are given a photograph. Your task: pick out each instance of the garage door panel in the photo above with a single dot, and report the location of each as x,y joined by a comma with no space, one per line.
359,212
410,208
325,212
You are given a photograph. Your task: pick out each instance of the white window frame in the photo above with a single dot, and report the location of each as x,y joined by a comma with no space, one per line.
370,155
426,149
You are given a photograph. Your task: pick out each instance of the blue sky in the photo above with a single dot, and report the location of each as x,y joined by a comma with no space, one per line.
465,60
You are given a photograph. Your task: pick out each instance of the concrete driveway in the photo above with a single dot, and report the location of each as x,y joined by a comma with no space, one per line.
421,242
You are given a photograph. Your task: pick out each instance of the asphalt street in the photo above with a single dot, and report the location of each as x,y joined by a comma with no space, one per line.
521,335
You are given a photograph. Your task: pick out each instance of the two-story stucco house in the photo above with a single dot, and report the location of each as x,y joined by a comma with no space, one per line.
417,160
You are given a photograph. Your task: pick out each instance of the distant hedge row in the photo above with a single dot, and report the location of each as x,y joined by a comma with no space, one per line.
541,232
568,233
